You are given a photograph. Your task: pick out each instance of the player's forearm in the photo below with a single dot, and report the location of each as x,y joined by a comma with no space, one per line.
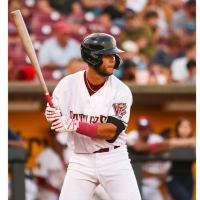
106,131
101,131
15,143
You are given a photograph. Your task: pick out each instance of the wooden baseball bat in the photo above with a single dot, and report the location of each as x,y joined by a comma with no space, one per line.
25,38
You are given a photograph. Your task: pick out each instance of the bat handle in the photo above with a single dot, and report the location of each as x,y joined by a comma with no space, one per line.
49,99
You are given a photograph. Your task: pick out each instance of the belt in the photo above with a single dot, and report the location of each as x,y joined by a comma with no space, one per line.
105,150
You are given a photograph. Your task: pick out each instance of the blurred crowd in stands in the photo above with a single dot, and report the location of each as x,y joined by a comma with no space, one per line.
158,37
161,180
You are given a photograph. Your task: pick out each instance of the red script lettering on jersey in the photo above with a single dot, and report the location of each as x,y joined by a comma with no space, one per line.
88,119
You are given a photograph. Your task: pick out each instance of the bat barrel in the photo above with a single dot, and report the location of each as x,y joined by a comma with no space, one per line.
25,38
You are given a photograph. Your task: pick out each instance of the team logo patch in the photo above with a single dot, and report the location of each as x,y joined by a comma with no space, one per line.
119,109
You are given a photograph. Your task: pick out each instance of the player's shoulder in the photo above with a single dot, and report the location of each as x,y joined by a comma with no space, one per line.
72,79
118,84
120,87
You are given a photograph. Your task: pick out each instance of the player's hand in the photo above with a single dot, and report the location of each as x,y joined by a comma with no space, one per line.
52,114
65,124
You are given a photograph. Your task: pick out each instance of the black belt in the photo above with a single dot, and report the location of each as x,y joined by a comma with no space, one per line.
105,150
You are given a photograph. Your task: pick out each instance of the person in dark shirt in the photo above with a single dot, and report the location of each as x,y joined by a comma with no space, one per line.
151,20
129,69
115,12
13,139
180,179
63,6
164,57
191,66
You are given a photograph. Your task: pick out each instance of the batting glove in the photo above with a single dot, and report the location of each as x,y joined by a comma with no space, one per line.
52,114
65,124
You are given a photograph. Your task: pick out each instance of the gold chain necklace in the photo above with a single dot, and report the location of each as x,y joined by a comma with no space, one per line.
90,87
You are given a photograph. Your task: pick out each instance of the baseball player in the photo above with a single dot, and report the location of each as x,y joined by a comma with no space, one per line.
95,109
154,173
49,169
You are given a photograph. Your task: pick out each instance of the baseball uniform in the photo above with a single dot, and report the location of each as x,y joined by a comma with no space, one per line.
87,169
48,165
150,185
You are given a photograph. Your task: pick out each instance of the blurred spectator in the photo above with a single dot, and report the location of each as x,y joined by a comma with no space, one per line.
164,11
184,21
176,5
143,140
180,179
171,51
77,27
151,20
191,66
76,65
14,140
49,169
63,6
129,70
95,6
30,186
57,51
138,33
13,36
164,57
136,5
179,65
115,12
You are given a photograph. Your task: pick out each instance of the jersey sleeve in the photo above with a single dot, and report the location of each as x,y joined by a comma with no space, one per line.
121,105
40,168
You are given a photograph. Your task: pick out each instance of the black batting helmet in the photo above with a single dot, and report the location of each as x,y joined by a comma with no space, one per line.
97,44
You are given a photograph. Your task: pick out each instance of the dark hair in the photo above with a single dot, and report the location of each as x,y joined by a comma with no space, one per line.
173,40
128,63
190,44
129,14
190,64
178,123
151,14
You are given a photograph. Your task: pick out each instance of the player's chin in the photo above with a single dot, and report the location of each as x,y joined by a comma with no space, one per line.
110,70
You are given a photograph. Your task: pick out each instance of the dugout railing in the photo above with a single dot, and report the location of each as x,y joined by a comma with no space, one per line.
176,154
17,159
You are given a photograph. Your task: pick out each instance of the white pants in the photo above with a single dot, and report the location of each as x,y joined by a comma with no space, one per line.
110,169
100,193
149,193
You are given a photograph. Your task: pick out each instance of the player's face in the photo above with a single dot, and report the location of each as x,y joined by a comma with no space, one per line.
144,133
106,69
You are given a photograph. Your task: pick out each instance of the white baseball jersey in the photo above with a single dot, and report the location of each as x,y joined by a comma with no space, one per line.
151,167
48,165
113,99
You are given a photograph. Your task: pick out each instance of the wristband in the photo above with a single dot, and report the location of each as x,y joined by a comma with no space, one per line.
87,129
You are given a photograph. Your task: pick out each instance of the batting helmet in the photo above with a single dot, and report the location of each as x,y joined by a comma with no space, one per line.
98,44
